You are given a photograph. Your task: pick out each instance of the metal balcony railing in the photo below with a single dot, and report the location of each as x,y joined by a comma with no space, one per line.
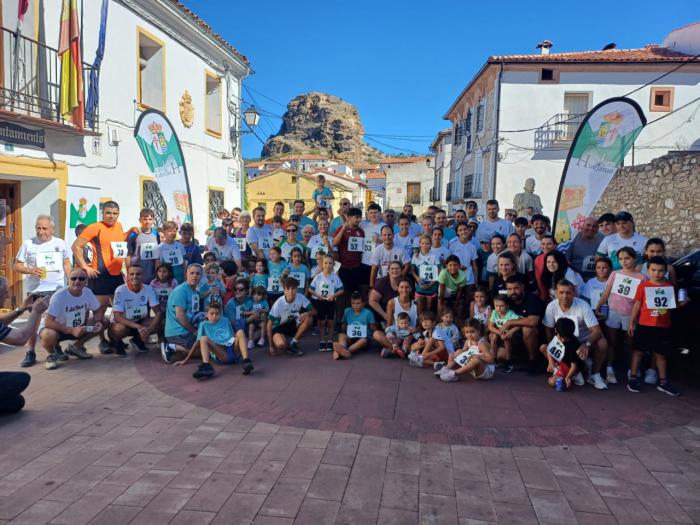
561,127
30,80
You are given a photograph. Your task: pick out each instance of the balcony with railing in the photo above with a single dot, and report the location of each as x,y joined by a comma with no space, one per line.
30,73
558,131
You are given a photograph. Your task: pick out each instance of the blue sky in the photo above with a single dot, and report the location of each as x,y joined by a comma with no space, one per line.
403,63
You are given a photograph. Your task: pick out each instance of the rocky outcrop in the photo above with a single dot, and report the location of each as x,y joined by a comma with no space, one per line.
318,123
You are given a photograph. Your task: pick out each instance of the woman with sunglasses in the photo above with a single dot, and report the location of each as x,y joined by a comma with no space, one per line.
291,241
74,314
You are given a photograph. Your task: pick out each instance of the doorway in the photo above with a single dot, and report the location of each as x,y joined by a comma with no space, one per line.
11,235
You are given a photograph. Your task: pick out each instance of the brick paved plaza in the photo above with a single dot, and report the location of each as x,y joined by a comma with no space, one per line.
363,441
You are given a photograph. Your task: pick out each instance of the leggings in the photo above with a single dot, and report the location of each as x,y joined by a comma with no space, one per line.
12,384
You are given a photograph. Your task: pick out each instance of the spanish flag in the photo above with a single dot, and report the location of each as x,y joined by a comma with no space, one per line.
72,105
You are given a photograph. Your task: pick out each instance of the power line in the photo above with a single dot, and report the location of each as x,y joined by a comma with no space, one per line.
394,147
263,95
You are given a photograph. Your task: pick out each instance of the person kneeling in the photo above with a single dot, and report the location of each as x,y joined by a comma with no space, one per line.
357,322
563,361
290,316
475,357
216,341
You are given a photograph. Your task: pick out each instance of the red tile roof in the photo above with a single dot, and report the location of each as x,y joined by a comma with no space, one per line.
207,29
255,164
403,160
649,53
376,175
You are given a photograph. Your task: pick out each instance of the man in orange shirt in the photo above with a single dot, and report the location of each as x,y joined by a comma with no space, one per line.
109,247
277,211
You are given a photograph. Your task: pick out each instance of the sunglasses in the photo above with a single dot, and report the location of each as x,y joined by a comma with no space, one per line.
292,230
78,279
240,289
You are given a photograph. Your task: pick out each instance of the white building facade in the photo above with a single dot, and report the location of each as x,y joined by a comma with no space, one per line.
517,118
409,180
158,55
442,149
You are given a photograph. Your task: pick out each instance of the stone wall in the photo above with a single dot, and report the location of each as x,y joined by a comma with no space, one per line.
664,198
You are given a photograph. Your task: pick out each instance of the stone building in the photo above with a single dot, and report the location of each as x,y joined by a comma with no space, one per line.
664,198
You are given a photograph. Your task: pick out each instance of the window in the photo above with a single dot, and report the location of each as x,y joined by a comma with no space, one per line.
216,203
661,99
468,185
413,193
263,205
212,104
547,74
468,130
575,109
480,116
152,198
151,71
458,133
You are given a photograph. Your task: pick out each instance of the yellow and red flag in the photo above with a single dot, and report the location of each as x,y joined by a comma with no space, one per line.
72,104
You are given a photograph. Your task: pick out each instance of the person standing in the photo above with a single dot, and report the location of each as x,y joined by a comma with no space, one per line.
581,251
492,224
45,261
373,233
625,236
142,244
259,236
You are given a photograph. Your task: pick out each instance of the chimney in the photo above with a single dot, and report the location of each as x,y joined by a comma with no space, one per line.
544,47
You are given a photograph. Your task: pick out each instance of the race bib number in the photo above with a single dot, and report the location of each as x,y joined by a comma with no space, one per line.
428,272
555,348
299,276
588,264
215,297
625,286
119,250
49,260
265,243
368,246
660,298
136,312
170,255
75,318
195,303
356,330
463,358
322,248
326,290
274,285
356,244
163,294
242,245
148,251
322,202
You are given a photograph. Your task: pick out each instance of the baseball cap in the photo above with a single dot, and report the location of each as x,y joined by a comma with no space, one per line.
473,221
227,222
623,216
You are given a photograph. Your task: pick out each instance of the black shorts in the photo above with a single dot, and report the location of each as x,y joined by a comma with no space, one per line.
105,284
353,278
325,310
653,339
288,329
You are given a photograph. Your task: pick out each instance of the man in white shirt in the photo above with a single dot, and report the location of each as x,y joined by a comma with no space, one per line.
625,236
492,224
386,253
259,236
464,249
373,232
224,247
45,262
540,226
587,331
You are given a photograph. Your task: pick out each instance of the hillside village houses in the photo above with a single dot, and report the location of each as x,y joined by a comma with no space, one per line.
517,117
157,54
442,148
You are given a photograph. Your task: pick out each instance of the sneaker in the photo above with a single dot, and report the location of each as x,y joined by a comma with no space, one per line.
29,359
629,374
633,385
251,345
578,379
416,361
293,349
597,382
51,362
261,341
669,389
610,376
322,346
439,365
386,353
508,367
449,376
651,377
329,345
204,371
167,350
78,351
119,349
60,355
247,367
105,347
139,345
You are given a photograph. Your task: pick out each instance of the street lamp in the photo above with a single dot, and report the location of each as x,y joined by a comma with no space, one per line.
252,117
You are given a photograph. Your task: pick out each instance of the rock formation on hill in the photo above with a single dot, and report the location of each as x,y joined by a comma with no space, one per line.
318,123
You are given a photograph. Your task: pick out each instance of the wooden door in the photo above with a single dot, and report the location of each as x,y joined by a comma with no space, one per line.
10,238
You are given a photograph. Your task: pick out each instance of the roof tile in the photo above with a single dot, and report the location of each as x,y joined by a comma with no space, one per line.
649,53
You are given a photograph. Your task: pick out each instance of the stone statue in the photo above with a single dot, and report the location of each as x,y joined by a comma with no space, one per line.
527,199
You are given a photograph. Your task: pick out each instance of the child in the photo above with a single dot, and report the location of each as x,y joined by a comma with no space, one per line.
193,251
483,253
447,332
521,225
256,317
425,269
656,247
620,295
237,307
325,288
171,251
500,314
163,284
290,316
452,284
563,361
260,276
400,335
297,269
322,195
427,350
211,289
217,341
498,245
208,257
651,313
479,308
357,323
475,357
277,229
594,288
142,245
437,248
276,267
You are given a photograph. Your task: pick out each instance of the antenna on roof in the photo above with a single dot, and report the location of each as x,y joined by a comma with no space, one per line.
611,45
544,46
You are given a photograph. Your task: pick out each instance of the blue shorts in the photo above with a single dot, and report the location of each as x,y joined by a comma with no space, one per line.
239,324
231,357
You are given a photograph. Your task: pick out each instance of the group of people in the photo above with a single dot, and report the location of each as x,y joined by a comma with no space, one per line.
464,297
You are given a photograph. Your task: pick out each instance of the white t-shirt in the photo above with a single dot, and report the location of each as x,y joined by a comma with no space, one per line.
282,311
227,252
381,256
442,253
448,335
533,245
466,253
488,229
326,285
612,243
406,243
574,278
50,255
580,312
592,291
525,264
371,230
171,253
69,310
134,305
316,242
255,235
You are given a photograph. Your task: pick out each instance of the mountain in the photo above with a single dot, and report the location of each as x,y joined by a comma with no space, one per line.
319,123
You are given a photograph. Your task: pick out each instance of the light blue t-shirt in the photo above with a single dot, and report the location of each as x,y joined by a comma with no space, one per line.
322,196
364,318
221,332
204,287
234,310
259,280
447,235
335,225
302,269
184,297
303,222
276,268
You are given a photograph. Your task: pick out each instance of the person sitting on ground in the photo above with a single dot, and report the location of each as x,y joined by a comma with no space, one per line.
562,360
400,336
502,340
133,303
427,350
475,357
69,318
216,341
182,315
256,317
291,316
530,309
357,322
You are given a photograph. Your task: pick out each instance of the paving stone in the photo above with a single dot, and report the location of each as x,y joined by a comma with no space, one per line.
239,508
390,516
369,470
315,438
515,514
141,492
261,477
285,498
403,457
507,487
164,506
437,509
474,500
582,495
468,463
628,511
329,482
341,449
360,504
89,506
303,463
551,506
400,491
588,518
214,492
43,511
436,478
192,517
659,504
537,474
315,512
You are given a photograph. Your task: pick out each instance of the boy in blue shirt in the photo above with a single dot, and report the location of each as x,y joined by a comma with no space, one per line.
357,323
322,196
238,305
216,341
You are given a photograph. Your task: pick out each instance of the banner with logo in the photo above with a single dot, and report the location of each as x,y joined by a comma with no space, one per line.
161,149
82,207
598,150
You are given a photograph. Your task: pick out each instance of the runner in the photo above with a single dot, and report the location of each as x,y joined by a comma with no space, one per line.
386,253
259,236
142,244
